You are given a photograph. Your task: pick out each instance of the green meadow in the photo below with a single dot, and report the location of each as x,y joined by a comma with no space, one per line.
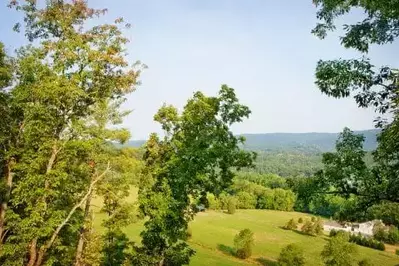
213,234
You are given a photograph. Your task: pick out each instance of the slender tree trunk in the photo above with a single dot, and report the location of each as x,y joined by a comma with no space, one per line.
32,252
33,256
83,232
4,204
49,243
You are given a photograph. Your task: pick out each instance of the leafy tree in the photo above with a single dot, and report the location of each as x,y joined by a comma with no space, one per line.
197,155
291,255
309,228
213,202
318,226
243,243
291,225
246,200
231,205
69,85
370,86
338,251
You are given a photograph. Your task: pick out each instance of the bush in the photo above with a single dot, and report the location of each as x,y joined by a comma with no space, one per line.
308,228
397,252
392,236
379,232
213,202
318,226
338,251
291,255
367,242
291,225
246,200
313,219
243,243
231,205
300,220
365,262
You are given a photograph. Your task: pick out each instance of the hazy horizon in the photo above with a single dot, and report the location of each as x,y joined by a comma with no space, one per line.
262,49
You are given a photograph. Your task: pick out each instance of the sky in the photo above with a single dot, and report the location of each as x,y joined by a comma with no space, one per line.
263,49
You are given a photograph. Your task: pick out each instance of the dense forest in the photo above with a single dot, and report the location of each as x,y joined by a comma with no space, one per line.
61,97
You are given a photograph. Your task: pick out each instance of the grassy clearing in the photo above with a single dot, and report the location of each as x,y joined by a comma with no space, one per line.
213,234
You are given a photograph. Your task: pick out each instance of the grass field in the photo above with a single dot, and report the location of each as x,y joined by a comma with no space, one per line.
213,234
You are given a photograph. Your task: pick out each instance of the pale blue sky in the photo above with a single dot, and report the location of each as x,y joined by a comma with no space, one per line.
263,49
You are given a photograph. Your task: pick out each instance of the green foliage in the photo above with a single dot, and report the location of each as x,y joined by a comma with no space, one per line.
388,212
371,86
365,262
189,233
291,225
300,220
338,251
308,228
318,226
197,156
397,252
291,255
385,234
246,200
244,242
231,205
366,242
213,202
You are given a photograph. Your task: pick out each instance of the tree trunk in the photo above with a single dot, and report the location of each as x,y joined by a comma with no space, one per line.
4,204
83,232
32,252
50,242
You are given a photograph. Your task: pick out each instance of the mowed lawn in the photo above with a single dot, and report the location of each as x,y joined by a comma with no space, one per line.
213,234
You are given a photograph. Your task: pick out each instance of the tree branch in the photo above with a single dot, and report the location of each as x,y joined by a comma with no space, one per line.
79,204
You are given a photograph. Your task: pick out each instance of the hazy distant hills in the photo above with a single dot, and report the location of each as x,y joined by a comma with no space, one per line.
294,141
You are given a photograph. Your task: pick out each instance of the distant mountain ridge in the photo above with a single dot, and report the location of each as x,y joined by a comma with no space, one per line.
313,141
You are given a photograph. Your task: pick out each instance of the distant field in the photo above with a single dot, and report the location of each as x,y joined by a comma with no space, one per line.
213,234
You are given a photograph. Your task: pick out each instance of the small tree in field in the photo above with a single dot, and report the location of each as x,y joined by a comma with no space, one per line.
243,243
291,225
338,251
318,226
231,205
309,228
291,255
300,220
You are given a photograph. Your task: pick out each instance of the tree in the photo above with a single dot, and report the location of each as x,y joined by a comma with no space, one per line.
246,200
196,156
309,228
69,85
243,243
338,251
291,255
231,205
291,225
371,87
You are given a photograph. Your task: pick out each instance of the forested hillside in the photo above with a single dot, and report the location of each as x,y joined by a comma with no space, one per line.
308,143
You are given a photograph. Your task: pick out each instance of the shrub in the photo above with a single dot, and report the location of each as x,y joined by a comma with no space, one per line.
309,228
338,251
291,255
313,219
213,202
397,252
367,242
365,262
246,200
300,220
231,205
243,243
379,232
392,236
291,225
318,226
